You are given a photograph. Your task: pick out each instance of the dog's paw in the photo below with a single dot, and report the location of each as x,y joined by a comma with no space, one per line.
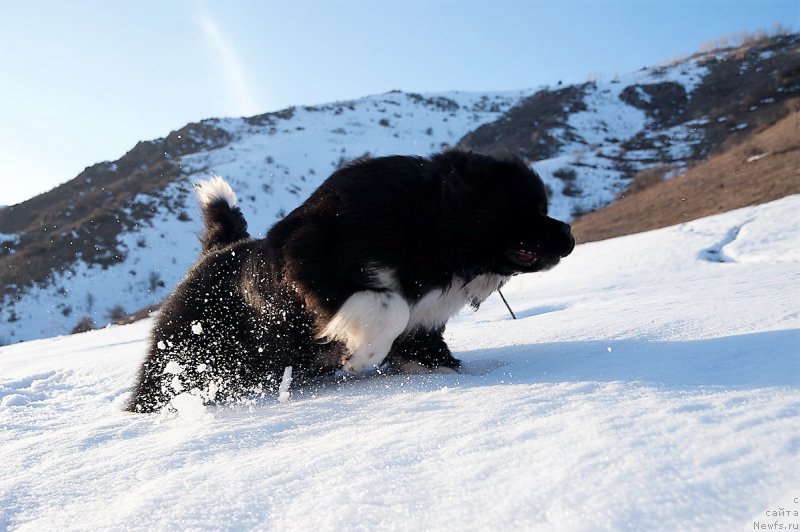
360,361
364,359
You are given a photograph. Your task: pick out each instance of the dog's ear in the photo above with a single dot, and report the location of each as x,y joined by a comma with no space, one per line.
464,189
456,183
470,168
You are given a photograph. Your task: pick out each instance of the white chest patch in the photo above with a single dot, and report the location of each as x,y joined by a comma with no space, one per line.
370,320
437,306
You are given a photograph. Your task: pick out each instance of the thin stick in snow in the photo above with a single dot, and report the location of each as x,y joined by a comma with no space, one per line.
506,302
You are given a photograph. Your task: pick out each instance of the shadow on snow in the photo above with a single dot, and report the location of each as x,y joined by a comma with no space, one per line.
748,361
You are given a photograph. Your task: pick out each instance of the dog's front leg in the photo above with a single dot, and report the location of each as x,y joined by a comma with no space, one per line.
368,323
422,350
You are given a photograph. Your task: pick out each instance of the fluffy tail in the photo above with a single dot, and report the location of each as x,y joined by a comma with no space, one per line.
225,222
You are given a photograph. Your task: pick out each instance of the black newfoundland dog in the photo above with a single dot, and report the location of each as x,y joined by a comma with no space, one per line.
366,272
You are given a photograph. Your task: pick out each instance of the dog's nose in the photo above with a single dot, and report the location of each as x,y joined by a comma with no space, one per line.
567,230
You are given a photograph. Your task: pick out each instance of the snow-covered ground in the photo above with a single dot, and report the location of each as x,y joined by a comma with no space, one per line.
651,382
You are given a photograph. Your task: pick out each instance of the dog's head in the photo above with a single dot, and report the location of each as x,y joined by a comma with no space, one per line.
495,218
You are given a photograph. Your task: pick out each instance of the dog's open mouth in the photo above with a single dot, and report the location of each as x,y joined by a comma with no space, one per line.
522,257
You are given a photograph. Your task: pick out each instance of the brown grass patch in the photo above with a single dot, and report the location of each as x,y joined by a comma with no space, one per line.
723,183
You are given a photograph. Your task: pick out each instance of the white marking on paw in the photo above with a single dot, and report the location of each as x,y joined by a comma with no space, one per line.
368,324
214,189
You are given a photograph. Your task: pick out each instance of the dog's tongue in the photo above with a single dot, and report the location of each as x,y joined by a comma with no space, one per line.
523,256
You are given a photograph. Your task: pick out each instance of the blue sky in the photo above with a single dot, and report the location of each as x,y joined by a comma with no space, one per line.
82,81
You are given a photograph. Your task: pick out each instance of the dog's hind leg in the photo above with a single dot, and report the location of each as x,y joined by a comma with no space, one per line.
368,323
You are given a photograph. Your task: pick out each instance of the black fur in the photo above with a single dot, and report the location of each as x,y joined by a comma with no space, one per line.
261,303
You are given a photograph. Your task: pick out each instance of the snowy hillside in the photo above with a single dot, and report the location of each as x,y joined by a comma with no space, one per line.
591,166
651,382
273,161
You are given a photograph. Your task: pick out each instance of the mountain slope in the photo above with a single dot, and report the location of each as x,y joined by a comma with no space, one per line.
764,167
120,235
645,386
